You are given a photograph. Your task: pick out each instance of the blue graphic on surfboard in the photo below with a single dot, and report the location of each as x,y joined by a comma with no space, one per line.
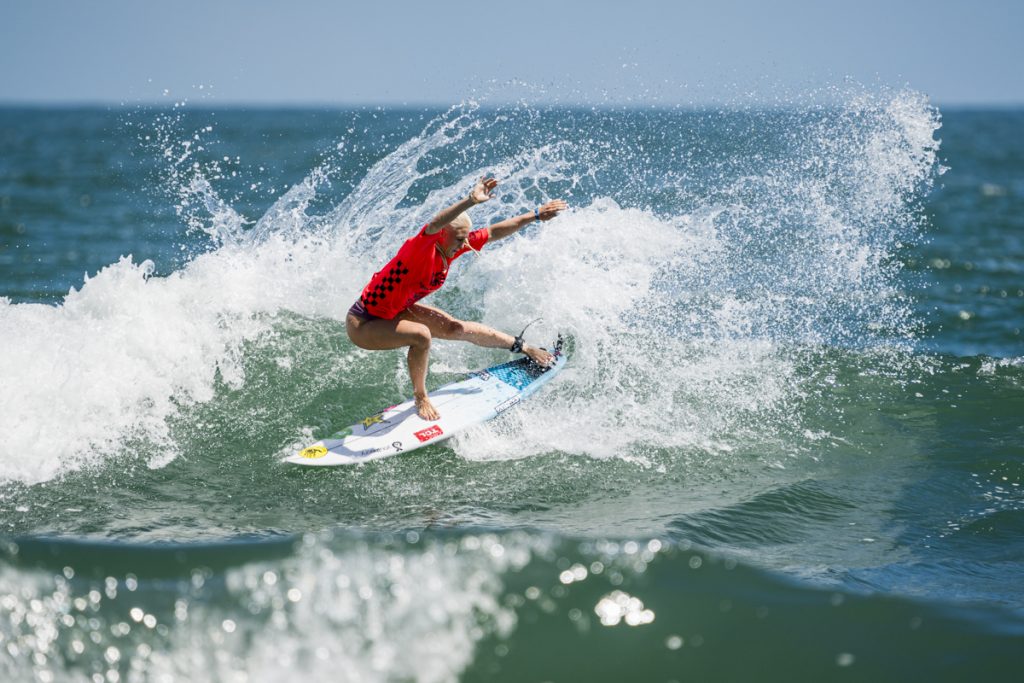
482,396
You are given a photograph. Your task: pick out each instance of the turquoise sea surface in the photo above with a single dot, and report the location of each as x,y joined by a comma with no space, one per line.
789,443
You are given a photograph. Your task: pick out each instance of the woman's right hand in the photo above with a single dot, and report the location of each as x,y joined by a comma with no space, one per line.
482,191
551,209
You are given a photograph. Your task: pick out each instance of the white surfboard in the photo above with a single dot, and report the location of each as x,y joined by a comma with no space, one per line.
482,396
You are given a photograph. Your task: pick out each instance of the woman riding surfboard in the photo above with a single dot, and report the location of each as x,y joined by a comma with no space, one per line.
387,314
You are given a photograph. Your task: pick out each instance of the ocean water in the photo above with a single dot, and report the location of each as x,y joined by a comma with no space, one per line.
788,444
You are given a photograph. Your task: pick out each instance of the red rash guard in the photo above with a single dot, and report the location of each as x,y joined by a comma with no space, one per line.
416,270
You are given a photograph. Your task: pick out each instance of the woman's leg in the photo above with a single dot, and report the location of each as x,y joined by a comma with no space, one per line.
379,334
444,326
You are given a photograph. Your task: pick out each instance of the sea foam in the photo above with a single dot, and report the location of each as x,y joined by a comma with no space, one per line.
682,306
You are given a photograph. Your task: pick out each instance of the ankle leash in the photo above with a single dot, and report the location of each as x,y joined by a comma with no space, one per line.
517,345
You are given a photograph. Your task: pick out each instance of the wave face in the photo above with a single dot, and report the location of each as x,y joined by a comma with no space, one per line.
686,300
792,407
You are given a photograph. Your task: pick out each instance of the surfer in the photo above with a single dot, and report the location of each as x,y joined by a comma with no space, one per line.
387,315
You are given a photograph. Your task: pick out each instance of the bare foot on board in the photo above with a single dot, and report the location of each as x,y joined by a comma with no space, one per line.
426,409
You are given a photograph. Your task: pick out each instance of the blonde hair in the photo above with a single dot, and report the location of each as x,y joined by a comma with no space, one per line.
462,221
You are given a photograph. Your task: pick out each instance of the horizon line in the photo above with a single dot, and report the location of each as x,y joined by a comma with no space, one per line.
358,104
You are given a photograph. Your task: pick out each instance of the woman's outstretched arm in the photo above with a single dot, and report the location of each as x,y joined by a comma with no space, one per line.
481,193
510,226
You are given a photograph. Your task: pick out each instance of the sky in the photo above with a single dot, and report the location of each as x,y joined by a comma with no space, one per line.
230,52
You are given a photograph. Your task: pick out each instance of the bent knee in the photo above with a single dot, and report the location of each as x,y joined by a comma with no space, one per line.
419,337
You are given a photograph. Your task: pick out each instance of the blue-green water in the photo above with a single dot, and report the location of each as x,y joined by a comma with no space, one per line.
787,445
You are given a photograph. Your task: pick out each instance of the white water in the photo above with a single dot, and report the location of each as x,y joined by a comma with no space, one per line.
681,324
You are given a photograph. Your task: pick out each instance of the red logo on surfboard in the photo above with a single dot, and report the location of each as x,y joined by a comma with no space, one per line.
429,433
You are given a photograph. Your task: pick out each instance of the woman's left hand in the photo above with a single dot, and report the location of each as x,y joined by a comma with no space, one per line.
551,209
483,190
